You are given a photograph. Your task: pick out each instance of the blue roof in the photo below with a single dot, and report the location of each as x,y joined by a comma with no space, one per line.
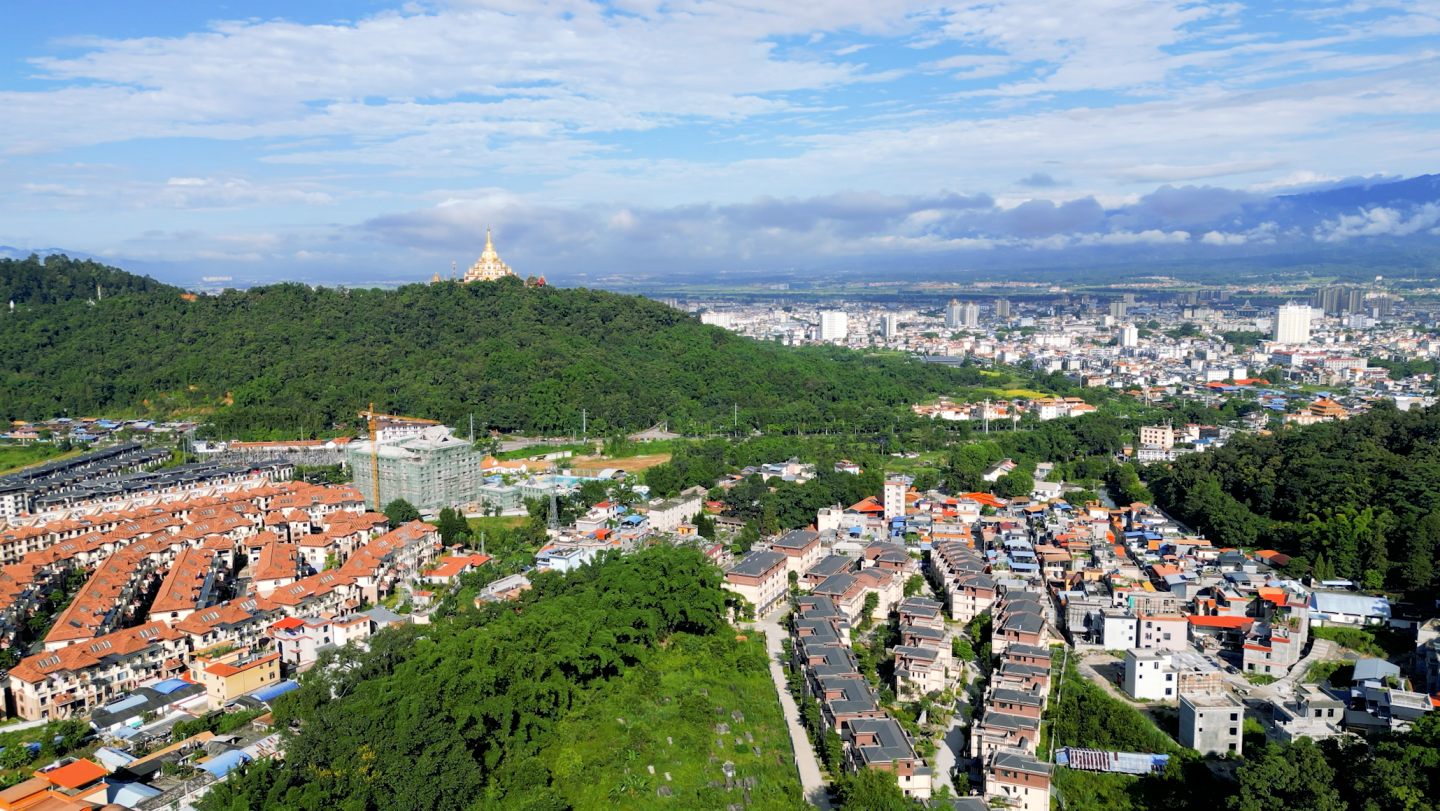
127,703
224,763
1330,602
169,686
274,691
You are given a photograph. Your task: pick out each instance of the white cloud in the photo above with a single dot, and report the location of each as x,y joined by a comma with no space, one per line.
1379,221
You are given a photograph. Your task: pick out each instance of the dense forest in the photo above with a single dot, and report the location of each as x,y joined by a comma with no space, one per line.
58,279
1357,499
560,701
294,360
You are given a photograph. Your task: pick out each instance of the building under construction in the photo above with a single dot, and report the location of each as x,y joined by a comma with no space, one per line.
429,468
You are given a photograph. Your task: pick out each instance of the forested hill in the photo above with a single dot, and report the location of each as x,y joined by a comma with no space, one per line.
1357,499
59,278
288,357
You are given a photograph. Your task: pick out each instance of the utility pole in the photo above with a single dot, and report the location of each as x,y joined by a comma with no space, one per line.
472,429
736,424
482,543
986,415
584,426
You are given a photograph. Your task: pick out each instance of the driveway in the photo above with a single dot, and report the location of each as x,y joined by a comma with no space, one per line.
811,782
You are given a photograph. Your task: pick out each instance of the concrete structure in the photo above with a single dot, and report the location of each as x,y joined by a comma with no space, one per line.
1292,324
1129,336
1212,723
834,325
1312,713
952,314
666,515
970,314
431,471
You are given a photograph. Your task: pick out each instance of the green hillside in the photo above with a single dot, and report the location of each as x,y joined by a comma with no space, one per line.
288,358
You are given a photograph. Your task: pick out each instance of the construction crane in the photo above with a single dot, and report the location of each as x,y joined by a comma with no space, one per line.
372,417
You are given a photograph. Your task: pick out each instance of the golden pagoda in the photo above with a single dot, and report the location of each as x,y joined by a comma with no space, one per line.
488,267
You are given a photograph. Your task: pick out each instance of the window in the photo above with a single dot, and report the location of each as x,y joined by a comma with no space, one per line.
1232,730
1169,677
1234,716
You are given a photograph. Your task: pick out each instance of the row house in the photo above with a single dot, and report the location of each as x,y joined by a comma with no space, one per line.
1016,779
759,578
332,591
76,679
300,640
195,581
801,548
825,567
234,623
881,743
277,566
112,597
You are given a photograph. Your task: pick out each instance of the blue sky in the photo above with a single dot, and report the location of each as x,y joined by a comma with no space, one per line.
360,141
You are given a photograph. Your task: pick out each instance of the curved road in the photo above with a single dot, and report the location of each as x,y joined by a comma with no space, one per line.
811,783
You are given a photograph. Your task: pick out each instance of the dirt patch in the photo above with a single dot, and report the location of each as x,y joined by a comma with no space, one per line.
629,465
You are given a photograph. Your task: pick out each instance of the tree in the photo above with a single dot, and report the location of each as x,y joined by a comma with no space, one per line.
705,526
961,649
1016,484
453,526
926,479
748,537
1293,777
400,512
871,790
794,578
914,585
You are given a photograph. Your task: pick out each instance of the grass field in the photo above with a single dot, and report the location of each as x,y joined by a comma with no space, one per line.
492,523
657,716
631,464
15,457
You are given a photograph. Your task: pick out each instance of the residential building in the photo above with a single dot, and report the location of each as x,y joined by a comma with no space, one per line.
834,325
1149,676
229,675
802,550
1292,324
1016,779
760,578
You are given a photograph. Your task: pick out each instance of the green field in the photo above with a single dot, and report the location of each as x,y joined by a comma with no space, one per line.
657,716
15,457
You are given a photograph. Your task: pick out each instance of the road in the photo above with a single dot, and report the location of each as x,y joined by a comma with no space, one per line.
947,756
811,782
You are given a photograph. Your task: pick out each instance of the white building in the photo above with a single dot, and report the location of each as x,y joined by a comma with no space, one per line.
1149,676
889,325
1292,324
726,320
894,499
952,314
834,325
970,314
1129,336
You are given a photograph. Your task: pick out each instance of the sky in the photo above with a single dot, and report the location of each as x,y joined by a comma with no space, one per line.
362,141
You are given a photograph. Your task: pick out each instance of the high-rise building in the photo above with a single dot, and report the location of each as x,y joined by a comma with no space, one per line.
970,314
889,325
1002,308
1129,336
1117,309
1129,299
834,325
952,314
894,499
1292,324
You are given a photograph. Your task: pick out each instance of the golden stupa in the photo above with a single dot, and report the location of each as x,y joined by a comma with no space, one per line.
488,267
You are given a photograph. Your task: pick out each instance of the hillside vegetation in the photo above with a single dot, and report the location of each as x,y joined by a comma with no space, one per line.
559,701
1358,499
290,359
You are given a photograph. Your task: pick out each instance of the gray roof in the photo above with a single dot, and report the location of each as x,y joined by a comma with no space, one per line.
1374,670
1020,761
831,564
799,539
756,564
1342,602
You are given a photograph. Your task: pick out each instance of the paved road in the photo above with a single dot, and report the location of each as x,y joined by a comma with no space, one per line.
948,755
810,781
